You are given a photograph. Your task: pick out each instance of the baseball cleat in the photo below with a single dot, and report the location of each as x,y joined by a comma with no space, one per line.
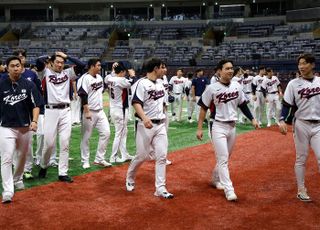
217,185
168,162
19,185
86,165
66,179
6,199
231,196
102,163
165,194
303,196
129,186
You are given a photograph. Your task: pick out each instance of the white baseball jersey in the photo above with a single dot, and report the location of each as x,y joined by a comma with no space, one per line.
57,85
247,84
225,98
151,95
178,84
118,88
214,79
271,84
165,83
257,80
188,84
306,96
238,79
93,87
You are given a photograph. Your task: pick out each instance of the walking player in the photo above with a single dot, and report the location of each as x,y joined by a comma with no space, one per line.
303,95
148,102
90,89
19,110
226,96
57,117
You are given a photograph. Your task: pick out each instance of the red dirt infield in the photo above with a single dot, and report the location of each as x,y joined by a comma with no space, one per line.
261,168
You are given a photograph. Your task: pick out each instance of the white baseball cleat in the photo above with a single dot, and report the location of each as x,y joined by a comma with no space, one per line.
231,196
86,165
19,185
164,193
102,163
303,195
217,185
268,125
168,162
129,186
6,199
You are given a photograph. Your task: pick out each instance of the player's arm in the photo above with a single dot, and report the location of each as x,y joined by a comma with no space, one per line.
139,110
193,93
41,62
79,64
246,111
37,101
280,90
202,116
82,93
74,87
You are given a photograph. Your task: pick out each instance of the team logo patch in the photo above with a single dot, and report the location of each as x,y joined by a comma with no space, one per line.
226,97
14,99
96,85
56,80
271,83
309,92
155,95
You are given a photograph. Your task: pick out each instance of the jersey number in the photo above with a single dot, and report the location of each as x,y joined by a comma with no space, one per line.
112,93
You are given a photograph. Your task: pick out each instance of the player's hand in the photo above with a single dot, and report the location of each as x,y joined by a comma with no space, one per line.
254,97
33,126
62,54
199,134
75,96
147,123
255,124
88,115
283,128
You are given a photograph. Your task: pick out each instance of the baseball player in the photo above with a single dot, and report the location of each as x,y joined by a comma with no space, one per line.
75,105
238,77
19,109
148,102
247,87
31,76
57,119
118,87
271,87
165,83
258,97
90,89
187,89
177,84
199,84
302,95
226,96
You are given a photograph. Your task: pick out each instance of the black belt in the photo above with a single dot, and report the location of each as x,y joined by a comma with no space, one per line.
273,92
177,93
157,122
313,121
247,92
227,122
58,106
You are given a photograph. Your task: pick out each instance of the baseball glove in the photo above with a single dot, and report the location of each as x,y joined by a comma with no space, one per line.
170,98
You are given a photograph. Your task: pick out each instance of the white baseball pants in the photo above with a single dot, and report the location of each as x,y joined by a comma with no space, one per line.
120,121
258,106
13,140
274,105
57,121
75,106
100,121
177,104
150,140
305,134
223,139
